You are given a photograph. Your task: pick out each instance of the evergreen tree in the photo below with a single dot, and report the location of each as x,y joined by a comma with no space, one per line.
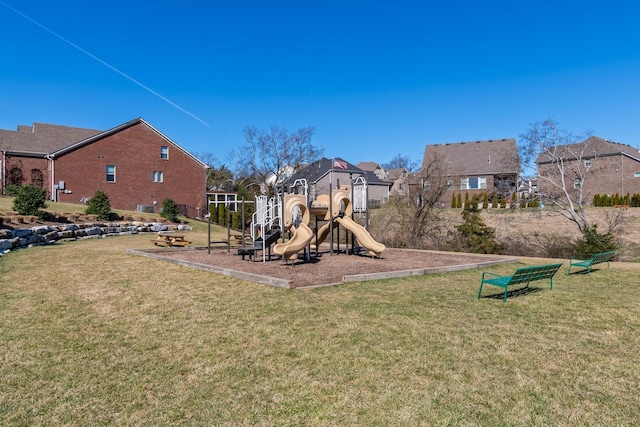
474,235
99,205
30,200
170,210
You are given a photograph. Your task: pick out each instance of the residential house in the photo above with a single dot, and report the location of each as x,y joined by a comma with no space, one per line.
374,167
476,167
340,173
399,181
596,165
133,163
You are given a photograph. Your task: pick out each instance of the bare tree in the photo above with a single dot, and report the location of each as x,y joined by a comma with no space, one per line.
267,154
563,168
400,161
416,222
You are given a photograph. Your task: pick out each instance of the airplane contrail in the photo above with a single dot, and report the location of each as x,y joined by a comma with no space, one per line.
106,64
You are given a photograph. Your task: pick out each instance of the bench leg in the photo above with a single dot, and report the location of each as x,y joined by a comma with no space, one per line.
505,295
480,291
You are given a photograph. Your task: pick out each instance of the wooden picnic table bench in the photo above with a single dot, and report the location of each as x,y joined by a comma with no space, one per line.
170,240
522,275
595,259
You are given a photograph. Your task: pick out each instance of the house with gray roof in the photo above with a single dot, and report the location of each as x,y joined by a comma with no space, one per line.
611,168
477,167
374,167
399,181
339,172
133,163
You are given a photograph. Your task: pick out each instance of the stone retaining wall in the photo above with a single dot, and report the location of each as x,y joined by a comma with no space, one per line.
20,238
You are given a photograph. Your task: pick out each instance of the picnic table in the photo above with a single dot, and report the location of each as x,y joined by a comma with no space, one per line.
170,240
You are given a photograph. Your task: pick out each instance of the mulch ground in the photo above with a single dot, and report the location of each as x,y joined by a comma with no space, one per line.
326,268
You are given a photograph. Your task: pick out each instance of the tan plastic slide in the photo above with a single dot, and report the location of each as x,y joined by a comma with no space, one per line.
300,239
363,236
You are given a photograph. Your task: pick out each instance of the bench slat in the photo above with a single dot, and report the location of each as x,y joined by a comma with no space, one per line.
522,275
598,258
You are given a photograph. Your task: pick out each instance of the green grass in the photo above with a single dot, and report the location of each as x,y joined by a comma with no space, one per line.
92,336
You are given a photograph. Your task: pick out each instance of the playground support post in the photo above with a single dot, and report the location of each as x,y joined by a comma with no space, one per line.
331,218
228,230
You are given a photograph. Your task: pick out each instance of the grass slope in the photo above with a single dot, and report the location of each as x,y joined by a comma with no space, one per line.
92,336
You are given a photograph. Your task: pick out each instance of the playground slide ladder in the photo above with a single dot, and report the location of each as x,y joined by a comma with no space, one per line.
264,219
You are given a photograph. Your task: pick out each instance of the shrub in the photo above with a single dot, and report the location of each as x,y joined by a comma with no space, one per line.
170,210
12,190
453,200
593,242
99,205
30,200
485,201
459,202
474,235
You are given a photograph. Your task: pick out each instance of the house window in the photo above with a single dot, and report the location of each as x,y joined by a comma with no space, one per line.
473,183
587,163
425,185
111,173
636,175
37,177
15,177
577,183
157,176
164,152
449,184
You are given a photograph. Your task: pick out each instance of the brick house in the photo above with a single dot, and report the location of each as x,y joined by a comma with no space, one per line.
340,172
133,163
476,167
399,179
596,165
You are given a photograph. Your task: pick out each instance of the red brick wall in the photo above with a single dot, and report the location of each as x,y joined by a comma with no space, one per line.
26,165
135,152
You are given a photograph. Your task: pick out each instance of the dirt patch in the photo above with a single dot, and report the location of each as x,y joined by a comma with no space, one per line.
326,268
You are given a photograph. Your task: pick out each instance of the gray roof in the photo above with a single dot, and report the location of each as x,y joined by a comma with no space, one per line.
396,173
488,157
42,138
318,169
369,166
592,147
54,140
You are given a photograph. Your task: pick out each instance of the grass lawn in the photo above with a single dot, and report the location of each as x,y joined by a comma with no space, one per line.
92,336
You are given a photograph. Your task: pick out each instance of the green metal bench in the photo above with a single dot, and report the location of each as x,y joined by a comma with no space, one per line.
595,259
522,275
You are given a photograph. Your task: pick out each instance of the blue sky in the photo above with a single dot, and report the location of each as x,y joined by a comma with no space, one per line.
374,78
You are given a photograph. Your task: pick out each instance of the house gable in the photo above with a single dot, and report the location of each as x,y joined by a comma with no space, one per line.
489,157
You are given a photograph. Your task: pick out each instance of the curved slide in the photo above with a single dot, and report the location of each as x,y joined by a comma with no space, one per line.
300,240
363,236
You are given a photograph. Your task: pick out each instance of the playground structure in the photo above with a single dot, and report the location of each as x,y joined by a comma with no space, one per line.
290,213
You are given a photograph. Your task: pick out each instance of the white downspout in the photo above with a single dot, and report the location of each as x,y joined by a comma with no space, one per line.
54,194
2,172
